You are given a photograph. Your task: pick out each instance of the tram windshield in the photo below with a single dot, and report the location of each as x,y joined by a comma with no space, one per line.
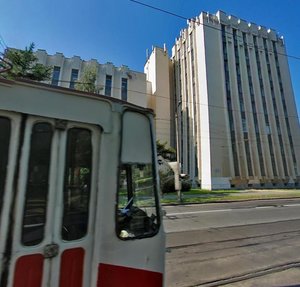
137,210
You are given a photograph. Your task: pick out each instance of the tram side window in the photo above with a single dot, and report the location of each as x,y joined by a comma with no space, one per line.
4,148
37,184
137,212
137,207
77,184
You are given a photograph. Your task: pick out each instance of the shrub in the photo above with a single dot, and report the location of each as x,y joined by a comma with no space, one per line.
168,185
186,185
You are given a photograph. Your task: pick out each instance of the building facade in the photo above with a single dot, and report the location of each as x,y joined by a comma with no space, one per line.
138,88
157,70
224,100
118,82
233,105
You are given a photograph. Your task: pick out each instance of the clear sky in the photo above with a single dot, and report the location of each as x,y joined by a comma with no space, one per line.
120,31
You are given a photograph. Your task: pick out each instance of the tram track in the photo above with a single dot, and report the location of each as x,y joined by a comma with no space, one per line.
242,248
237,239
228,255
233,248
250,275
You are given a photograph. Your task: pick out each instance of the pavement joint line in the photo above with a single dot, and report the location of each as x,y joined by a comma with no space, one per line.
254,274
229,209
265,207
292,205
197,212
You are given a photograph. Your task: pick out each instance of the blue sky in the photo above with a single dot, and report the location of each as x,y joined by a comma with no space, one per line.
120,31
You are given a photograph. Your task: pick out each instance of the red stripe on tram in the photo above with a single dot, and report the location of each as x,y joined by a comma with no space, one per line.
29,271
71,268
116,276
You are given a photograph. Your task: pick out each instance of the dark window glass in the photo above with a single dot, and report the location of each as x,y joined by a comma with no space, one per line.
108,84
77,184
228,96
55,75
4,148
74,77
137,208
37,184
272,155
248,156
124,89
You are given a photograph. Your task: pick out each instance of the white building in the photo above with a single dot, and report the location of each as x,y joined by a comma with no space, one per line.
118,82
231,92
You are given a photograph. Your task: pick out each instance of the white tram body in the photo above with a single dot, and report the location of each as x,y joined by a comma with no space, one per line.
79,202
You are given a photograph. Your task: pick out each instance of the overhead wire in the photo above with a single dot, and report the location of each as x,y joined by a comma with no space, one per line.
220,30
203,24
209,26
215,28
197,103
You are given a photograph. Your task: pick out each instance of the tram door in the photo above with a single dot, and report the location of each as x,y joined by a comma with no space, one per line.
52,234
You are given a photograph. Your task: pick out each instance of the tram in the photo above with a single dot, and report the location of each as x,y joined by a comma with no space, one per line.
79,200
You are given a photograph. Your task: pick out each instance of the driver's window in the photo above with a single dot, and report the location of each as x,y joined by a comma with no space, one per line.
137,212
137,203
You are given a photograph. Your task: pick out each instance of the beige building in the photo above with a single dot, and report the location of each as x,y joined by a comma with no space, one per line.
118,82
147,89
232,99
157,70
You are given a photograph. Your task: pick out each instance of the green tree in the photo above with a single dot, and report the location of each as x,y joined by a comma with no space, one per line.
87,80
164,151
24,65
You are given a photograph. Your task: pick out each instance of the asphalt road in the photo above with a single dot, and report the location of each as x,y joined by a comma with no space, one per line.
253,243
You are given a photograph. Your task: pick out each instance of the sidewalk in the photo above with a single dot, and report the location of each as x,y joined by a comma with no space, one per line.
201,196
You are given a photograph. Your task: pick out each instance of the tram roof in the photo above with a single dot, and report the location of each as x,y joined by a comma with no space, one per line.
45,86
40,99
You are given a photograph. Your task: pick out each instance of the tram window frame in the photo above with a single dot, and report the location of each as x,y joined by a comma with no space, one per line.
4,155
77,191
134,219
34,218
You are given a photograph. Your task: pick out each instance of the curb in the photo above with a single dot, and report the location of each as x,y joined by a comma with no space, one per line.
228,201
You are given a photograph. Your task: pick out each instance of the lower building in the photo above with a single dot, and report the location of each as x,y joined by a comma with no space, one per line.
118,82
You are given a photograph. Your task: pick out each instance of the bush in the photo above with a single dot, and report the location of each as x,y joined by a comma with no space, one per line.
168,185
186,185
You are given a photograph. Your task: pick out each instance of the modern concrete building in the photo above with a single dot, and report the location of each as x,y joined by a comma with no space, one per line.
232,99
118,82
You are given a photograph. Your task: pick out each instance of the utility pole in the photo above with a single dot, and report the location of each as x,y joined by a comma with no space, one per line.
178,168
175,166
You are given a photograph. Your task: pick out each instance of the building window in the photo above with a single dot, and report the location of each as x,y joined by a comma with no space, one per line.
284,106
244,125
108,84
229,105
74,77
124,89
248,156
55,75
